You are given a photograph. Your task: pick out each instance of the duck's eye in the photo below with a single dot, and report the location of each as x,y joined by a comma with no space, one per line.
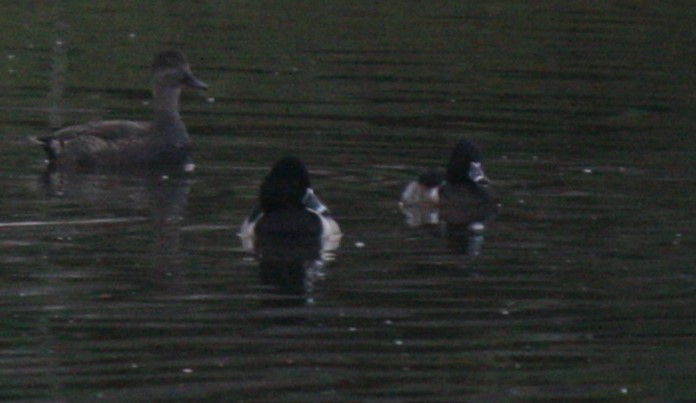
186,79
191,81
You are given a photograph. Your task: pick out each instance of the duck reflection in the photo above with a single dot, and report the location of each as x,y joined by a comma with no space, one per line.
169,198
291,232
458,200
155,197
292,266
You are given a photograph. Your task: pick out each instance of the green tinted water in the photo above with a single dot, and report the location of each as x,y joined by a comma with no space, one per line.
130,288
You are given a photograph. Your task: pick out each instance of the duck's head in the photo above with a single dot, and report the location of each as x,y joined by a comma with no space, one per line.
171,69
464,165
285,186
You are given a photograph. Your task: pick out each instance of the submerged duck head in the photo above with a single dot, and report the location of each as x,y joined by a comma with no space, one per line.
171,69
464,166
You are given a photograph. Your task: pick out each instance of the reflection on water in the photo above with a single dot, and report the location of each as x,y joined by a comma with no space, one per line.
419,215
463,238
161,199
292,265
466,238
127,288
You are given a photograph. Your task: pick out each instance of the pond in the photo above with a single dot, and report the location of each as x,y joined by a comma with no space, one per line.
137,287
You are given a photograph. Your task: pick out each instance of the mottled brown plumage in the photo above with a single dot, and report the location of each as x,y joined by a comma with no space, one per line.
123,144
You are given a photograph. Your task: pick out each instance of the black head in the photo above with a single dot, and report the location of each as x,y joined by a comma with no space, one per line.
464,165
285,186
170,68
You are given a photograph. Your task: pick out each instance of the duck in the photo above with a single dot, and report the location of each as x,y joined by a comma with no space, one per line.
459,195
425,190
289,209
124,144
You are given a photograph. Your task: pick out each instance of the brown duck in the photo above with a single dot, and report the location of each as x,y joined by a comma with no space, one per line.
122,144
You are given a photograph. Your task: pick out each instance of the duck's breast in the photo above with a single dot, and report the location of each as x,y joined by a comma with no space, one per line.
466,204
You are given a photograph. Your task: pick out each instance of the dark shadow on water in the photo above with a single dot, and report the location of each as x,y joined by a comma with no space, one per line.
289,265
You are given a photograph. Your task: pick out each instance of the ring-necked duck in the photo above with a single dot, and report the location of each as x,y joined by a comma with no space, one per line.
463,197
288,207
128,144
424,190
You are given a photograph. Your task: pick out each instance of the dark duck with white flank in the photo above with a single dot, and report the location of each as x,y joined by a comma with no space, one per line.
465,197
288,207
459,195
122,144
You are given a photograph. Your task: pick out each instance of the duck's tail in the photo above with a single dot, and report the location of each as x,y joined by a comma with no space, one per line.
47,142
37,140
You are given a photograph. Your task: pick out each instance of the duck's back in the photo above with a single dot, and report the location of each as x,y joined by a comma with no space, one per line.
95,143
113,130
120,143
289,222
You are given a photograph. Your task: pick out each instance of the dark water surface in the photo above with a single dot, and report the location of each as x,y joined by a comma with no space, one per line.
131,288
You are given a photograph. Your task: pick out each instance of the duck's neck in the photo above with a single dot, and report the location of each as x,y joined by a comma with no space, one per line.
457,179
167,118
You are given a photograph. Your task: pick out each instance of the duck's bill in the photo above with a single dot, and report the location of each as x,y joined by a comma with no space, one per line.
312,202
476,173
191,81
